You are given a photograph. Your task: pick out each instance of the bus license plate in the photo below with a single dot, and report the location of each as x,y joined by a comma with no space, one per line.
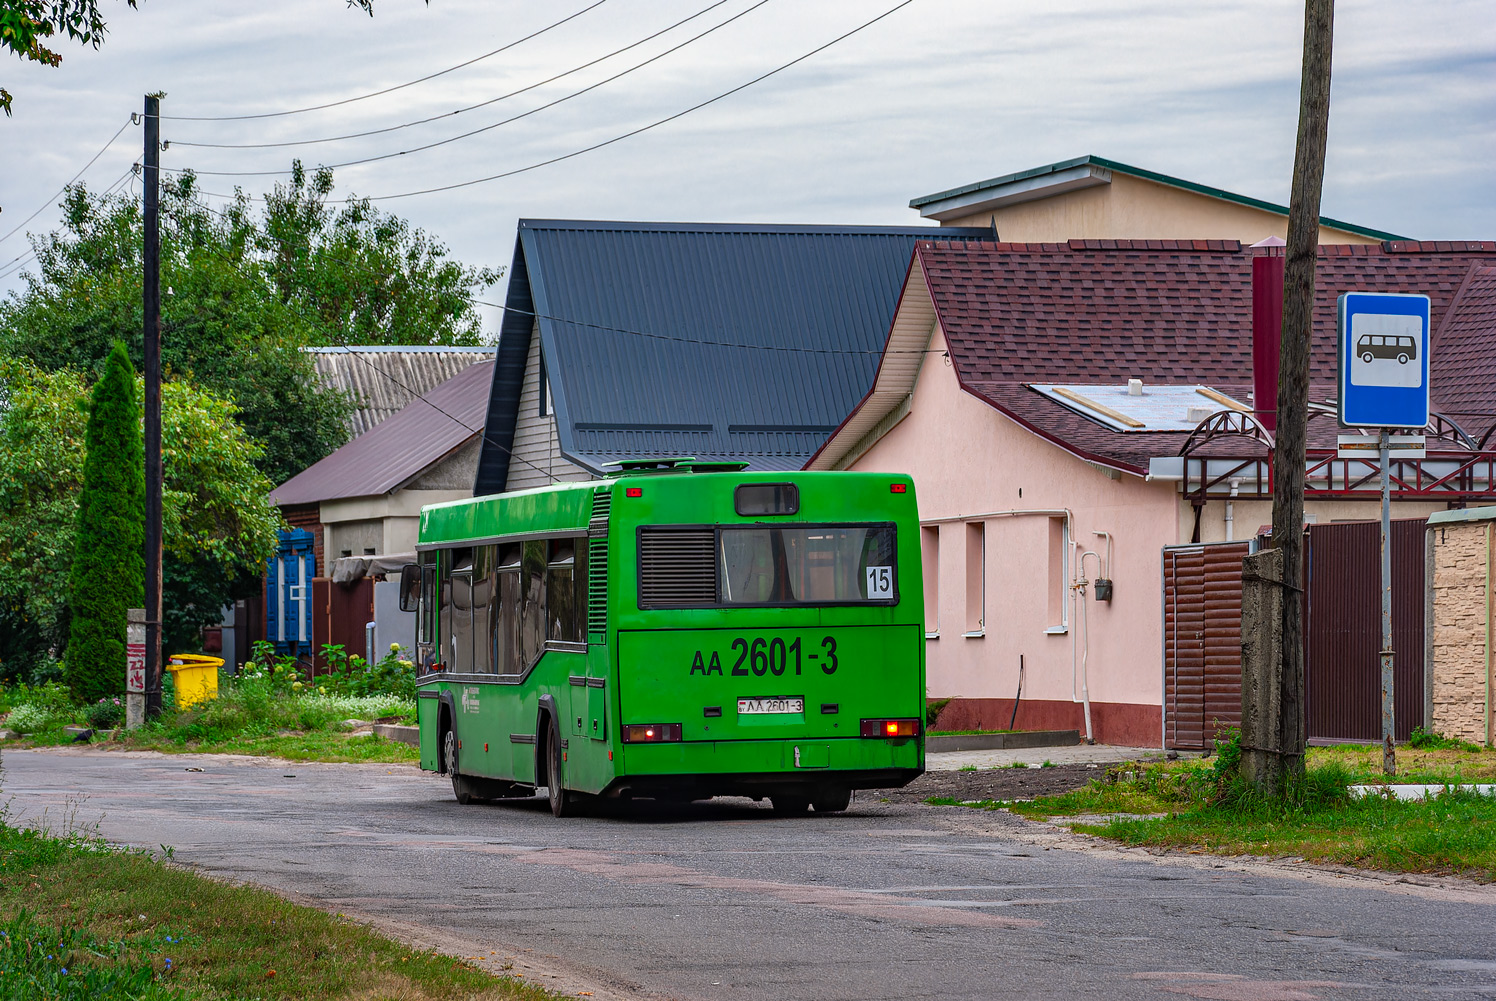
750,707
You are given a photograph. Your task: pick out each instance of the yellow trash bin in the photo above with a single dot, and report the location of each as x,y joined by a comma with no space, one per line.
196,677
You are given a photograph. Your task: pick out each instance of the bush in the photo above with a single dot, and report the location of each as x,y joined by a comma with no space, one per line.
105,714
1428,740
350,674
36,710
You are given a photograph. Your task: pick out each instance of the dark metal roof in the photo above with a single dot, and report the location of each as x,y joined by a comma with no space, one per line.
748,342
398,449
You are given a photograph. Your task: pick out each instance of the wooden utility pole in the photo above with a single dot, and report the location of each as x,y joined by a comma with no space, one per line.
151,283
1273,748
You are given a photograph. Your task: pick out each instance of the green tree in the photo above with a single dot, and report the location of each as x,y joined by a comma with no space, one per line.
25,23
108,572
218,525
243,292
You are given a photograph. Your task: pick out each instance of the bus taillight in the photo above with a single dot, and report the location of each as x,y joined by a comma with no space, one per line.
898,488
650,733
890,728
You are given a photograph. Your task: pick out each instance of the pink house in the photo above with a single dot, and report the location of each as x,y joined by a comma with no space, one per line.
1068,411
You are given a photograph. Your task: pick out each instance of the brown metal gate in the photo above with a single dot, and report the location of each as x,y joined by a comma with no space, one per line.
1202,634
1202,641
1343,629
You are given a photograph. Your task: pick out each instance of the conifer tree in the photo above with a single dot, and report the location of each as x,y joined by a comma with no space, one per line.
108,574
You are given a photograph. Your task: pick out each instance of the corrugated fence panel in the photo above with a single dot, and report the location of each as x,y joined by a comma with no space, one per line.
1344,630
1202,642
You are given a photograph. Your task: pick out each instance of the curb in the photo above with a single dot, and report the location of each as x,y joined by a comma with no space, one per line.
936,743
405,734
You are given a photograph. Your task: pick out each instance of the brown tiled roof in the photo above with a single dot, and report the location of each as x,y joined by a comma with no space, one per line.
393,452
1465,347
1170,312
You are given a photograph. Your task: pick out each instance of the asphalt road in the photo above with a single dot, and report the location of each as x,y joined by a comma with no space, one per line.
725,900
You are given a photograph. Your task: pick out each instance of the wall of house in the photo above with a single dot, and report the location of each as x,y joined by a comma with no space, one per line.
455,472
1136,209
1462,607
389,523
352,538
537,459
998,582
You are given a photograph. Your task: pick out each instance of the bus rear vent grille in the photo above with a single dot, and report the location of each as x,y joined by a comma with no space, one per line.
602,504
677,567
597,586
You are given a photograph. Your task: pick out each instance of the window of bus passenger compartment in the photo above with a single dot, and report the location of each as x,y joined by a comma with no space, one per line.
807,565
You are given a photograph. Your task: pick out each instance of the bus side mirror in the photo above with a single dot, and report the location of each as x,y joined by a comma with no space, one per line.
410,587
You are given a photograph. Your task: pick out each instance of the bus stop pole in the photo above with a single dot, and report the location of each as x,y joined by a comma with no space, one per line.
1389,757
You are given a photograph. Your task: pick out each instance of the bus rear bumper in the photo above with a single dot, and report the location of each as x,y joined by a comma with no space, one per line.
761,767
758,784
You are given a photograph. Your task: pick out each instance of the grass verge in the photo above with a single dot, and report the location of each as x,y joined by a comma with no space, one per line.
83,920
1200,807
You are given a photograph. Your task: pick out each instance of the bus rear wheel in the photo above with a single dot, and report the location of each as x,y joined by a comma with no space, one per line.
831,800
563,803
460,789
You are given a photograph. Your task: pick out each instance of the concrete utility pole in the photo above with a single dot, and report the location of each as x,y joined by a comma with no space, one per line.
1274,727
151,261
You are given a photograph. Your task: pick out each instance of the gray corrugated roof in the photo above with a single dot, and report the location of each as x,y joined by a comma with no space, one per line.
390,455
747,342
384,379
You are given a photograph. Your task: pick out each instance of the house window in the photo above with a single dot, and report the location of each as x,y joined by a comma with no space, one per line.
1059,576
929,538
976,578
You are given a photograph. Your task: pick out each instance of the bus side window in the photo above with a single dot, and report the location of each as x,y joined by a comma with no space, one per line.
426,614
460,637
532,602
560,592
483,599
506,612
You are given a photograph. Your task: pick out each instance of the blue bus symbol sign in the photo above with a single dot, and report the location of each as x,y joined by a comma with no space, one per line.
1384,340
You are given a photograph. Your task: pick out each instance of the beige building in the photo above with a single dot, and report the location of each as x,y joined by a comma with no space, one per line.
1090,198
1460,605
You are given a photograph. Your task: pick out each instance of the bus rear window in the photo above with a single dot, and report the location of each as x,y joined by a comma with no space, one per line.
807,565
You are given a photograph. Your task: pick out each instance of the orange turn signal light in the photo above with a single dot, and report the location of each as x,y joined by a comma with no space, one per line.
651,733
890,728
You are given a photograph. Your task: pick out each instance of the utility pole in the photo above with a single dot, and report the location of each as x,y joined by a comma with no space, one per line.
1275,740
151,260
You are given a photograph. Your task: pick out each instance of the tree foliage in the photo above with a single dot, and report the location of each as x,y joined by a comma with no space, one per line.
108,570
243,292
217,523
24,24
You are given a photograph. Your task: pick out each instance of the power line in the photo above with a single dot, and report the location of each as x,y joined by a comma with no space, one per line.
607,142
458,111
29,255
652,125
506,121
128,122
387,90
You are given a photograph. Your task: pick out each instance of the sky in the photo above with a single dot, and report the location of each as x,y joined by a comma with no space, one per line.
936,94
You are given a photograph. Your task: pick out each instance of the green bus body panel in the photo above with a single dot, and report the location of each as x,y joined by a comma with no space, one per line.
676,676
640,670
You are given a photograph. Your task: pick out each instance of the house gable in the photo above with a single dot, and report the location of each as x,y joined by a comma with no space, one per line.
1091,197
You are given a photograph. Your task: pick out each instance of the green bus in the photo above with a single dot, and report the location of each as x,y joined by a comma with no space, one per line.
678,631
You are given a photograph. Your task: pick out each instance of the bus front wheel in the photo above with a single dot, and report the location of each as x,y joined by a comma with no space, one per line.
460,790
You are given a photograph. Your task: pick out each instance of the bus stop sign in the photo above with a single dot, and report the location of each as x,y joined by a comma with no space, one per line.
1384,341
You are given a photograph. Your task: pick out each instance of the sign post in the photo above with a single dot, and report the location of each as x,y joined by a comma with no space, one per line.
1384,343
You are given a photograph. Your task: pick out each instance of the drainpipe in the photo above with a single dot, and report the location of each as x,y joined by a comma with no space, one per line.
1080,596
1230,507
